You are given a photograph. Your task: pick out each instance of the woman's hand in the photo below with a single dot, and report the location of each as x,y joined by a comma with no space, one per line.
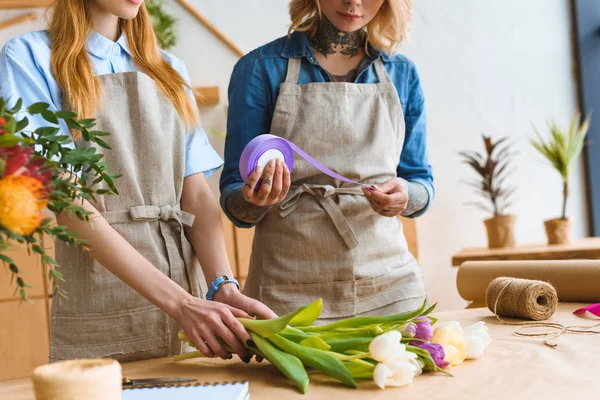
274,184
203,321
230,295
389,199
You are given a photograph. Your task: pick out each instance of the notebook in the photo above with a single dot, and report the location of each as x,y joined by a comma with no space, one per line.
220,391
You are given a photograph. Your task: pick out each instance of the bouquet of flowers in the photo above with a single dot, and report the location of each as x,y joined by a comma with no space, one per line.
391,350
40,170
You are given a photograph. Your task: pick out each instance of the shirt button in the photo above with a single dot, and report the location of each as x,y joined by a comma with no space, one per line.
115,48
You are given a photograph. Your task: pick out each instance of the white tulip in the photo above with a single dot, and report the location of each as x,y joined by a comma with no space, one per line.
480,330
394,373
387,347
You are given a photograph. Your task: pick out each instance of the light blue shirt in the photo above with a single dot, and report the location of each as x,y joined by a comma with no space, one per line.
25,73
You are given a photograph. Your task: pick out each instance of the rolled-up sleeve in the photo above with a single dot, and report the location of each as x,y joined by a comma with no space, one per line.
414,163
200,156
249,115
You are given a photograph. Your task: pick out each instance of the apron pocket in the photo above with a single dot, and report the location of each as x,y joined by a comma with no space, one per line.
338,297
400,284
115,333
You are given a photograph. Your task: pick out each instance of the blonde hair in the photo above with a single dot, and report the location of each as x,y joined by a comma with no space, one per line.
388,29
69,27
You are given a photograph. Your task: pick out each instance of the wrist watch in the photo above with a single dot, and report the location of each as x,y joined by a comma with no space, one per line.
217,283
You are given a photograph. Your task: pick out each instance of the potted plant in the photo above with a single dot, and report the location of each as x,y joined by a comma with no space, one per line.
39,171
491,166
561,149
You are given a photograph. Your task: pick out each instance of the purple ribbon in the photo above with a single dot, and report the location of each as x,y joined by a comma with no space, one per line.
276,146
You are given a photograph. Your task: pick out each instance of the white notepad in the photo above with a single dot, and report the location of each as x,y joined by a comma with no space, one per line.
221,391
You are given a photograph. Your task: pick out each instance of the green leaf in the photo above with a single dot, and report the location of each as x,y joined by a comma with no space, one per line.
22,124
37,108
6,259
47,131
286,363
315,342
101,143
360,370
14,269
308,315
268,327
38,249
65,114
320,360
49,116
17,107
362,321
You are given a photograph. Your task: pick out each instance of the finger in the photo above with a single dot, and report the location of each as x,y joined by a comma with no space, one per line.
260,310
251,182
277,181
237,329
286,182
384,200
267,182
211,339
237,312
389,186
229,336
199,343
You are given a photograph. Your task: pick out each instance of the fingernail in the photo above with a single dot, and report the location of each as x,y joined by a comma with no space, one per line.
271,163
259,170
247,358
230,357
250,343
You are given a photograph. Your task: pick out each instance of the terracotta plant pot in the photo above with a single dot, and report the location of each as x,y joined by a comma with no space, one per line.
558,230
500,231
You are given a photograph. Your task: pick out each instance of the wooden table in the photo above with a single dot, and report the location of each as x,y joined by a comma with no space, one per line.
512,368
588,248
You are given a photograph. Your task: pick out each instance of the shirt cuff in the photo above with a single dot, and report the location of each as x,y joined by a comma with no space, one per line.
225,193
430,194
204,159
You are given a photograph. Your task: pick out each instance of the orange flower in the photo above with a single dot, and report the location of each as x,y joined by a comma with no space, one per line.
22,199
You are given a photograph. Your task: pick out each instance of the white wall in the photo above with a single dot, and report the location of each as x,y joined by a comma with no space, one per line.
493,67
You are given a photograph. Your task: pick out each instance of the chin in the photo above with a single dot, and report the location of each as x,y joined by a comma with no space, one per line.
346,26
129,12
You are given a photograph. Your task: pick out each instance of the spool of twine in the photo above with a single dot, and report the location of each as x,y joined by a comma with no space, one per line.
94,379
533,300
521,298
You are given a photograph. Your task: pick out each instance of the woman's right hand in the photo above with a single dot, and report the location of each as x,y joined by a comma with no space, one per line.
203,321
274,182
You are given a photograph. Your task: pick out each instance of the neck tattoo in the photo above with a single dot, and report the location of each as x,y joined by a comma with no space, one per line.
331,40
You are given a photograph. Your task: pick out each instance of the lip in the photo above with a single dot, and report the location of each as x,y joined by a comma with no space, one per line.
136,2
349,17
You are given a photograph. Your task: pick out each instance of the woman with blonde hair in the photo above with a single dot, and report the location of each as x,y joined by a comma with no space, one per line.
140,282
335,88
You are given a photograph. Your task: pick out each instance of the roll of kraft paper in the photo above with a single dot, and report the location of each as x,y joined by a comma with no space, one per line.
267,147
574,280
93,379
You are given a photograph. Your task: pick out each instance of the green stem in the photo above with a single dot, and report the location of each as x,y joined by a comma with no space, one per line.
565,196
193,354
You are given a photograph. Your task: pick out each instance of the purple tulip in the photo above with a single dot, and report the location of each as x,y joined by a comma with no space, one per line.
424,330
409,330
436,351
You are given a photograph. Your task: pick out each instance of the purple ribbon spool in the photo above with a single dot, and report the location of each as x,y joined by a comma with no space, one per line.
264,148
261,150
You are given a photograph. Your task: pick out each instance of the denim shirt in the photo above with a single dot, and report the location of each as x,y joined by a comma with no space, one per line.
253,91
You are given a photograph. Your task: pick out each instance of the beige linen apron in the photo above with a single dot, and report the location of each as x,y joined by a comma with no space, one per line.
324,240
103,317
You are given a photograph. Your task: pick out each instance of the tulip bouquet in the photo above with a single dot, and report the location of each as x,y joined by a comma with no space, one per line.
391,350
39,170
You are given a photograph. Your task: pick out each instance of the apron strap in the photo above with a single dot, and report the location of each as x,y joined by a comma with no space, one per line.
324,195
293,70
164,215
382,74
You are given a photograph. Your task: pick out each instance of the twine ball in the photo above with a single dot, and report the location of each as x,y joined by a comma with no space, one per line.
521,298
93,379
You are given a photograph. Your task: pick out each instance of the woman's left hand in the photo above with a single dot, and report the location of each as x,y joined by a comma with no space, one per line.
389,199
229,294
